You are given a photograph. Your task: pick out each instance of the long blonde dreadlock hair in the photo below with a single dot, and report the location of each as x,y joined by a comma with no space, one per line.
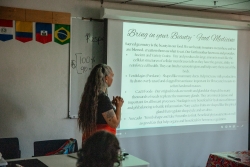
87,114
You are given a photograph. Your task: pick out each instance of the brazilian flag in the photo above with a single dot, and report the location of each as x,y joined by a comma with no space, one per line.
62,34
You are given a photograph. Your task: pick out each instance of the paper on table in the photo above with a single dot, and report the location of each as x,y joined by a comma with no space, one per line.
3,162
26,163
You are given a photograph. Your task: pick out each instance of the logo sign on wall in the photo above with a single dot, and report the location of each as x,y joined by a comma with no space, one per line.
62,34
43,32
24,31
6,30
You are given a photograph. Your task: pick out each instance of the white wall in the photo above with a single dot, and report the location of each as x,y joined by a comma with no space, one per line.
34,82
34,79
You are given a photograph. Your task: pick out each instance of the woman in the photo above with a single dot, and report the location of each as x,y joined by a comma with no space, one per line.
99,150
96,111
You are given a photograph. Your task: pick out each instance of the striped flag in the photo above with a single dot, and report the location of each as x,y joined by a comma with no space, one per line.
24,31
43,32
62,34
6,30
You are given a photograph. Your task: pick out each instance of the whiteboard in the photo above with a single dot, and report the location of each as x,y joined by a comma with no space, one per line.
86,51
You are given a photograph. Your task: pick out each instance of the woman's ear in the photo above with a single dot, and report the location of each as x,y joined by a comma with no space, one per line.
106,78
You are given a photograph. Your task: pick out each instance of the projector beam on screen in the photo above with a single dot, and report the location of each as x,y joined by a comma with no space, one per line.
178,76
186,94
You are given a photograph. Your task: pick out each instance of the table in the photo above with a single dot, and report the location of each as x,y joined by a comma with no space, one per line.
66,161
229,159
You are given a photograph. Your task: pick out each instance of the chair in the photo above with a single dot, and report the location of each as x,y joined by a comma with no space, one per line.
45,147
9,147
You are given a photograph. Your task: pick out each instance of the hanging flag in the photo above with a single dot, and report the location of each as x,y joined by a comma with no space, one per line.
6,30
43,32
24,31
62,34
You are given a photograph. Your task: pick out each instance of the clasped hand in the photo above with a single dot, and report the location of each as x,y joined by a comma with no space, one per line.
118,101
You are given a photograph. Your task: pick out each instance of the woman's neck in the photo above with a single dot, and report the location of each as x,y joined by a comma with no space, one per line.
104,91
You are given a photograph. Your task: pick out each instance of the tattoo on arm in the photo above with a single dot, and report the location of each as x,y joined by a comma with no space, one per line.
110,114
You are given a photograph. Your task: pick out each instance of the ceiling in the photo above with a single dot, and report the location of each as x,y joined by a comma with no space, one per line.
240,7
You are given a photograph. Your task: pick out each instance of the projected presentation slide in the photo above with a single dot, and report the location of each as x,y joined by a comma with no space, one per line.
177,79
184,88
177,76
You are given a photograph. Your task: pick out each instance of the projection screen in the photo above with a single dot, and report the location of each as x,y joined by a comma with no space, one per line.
186,90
